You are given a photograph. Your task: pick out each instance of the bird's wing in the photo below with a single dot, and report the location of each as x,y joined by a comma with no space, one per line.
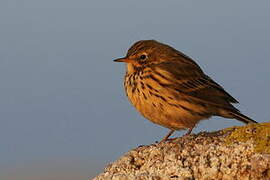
188,79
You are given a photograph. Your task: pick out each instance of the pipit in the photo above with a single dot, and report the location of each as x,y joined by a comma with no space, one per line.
170,89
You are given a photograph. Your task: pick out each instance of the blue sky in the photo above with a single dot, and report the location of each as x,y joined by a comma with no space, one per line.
63,110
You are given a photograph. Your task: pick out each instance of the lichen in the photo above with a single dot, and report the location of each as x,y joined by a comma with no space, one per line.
258,134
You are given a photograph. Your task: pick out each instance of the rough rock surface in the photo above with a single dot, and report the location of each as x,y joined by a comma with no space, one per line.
235,153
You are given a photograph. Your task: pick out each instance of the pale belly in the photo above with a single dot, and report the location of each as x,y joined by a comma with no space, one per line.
165,112
158,104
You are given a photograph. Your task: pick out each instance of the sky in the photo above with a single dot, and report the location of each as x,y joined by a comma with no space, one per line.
63,110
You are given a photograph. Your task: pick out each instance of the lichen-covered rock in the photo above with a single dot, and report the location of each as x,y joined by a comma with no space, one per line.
235,153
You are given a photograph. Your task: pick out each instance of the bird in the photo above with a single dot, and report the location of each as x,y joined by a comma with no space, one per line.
170,89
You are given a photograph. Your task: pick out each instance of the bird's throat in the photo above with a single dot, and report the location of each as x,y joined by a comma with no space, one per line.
132,68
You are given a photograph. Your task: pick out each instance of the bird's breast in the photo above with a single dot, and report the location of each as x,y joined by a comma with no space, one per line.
151,96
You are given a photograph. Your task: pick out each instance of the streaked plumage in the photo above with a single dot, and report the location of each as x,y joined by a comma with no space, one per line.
170,89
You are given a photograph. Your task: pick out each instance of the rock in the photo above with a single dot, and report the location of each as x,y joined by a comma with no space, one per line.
241,153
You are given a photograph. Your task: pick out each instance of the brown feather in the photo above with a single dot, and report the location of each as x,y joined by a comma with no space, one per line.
189,80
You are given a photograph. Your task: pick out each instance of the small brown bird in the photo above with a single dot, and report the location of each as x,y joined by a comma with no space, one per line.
170,89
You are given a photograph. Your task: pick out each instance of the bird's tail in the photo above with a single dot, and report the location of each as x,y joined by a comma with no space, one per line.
241,117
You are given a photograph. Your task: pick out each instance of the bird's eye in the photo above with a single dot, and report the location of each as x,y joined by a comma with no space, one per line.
143,57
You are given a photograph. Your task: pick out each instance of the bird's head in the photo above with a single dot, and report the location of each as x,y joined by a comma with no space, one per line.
147,52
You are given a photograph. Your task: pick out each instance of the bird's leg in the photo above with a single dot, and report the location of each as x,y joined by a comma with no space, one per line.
172,131
189,131
167,136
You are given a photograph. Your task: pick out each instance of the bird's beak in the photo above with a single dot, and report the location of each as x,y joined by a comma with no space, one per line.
124,59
